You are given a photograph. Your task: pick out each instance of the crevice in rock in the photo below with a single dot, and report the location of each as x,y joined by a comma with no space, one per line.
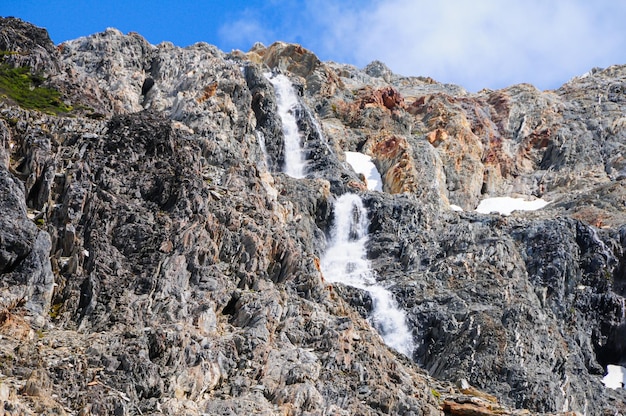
614,350
231,307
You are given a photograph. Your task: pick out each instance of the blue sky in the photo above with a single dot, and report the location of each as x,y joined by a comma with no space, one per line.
475,44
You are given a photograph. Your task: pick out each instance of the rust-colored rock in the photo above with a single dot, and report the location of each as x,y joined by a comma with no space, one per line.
395,164
387,97
289,57
436,137
390,147
469,409
207,92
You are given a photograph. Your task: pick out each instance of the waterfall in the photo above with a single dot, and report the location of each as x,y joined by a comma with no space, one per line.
345,261
287,106
261,138
318,130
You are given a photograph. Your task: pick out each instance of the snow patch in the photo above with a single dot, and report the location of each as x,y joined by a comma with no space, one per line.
505,205
363,164
615,377
456,208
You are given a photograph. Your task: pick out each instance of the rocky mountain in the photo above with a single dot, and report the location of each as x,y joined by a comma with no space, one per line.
155,259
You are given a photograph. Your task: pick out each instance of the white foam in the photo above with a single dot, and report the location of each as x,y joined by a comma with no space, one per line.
287,105
390,321
363,164
345,261
506,205
261,139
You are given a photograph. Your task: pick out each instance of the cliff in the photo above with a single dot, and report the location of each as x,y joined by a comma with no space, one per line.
154,259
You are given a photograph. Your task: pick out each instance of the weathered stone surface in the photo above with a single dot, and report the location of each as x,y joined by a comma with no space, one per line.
151,262
23,44
24,253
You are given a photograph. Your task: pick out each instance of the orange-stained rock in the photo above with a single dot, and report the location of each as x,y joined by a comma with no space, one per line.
390,147
391,98
435,137
468,409
395,164
387,97
289,57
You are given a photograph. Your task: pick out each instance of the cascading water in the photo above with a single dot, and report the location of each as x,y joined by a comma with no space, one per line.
261,138
287,105
345,261
318,130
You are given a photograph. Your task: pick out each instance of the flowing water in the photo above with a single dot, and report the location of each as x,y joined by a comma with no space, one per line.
345,261
261,138
287,106
318,130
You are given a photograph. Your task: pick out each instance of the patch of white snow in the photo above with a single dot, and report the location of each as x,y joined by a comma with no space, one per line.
456,208
363,164
505,205
615,377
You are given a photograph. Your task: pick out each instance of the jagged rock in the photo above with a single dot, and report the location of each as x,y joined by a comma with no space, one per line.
265,110
152,262
23,44
290,58
379,70
24,254
6,145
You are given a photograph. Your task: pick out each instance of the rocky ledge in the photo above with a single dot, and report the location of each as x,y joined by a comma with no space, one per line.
154,259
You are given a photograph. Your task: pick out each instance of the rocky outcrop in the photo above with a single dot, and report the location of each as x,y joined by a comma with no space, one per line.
23,44
154,260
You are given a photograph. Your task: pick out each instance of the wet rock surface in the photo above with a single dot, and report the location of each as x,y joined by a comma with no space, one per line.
155,260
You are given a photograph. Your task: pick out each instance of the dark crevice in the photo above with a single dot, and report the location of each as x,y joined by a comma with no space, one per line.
614,350
231,307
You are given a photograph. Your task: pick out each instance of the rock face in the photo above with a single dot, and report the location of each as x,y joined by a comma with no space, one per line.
155,260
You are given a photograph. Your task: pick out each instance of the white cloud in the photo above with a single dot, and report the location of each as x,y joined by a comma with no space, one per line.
245,31
488,43
476,44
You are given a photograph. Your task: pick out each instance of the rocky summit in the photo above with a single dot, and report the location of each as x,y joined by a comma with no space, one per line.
156,259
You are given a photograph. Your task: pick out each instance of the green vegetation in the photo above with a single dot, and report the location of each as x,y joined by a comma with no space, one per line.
23,87
55,310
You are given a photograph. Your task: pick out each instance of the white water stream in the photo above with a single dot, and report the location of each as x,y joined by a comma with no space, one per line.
287,105
261,138
345,261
